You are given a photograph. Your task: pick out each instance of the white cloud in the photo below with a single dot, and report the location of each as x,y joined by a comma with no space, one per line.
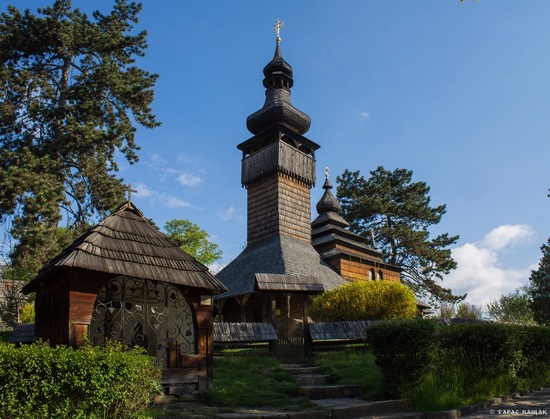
479,272
186,158
158,160
186,179
364,115
174,202
507,236
227,214
157,198
143,191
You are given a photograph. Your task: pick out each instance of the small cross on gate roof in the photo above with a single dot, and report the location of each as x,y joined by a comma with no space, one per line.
129,191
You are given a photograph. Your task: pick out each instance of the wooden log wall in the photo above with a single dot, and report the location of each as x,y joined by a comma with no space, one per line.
355,269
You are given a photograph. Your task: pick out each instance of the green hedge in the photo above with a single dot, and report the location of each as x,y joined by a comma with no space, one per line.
535,370
461,363
491,348
40,381
404,351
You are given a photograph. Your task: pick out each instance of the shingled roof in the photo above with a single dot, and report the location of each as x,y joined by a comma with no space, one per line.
284,257
126,244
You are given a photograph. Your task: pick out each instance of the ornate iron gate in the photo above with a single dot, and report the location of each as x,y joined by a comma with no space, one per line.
144,313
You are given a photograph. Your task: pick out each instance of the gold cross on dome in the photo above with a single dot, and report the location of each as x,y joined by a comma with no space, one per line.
277,28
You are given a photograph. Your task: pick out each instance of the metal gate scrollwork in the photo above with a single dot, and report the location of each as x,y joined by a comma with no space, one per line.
150,314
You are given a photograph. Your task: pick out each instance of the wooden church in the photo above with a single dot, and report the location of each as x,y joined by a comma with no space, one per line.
288,259
126,281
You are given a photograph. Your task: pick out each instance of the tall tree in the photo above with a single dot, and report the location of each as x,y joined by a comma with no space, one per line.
514,307
396,211
540,288
70,94
194,240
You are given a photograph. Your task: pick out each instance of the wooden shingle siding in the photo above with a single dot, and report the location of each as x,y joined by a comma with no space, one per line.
278,157
278,205
294,208
126,244
274,282
244,332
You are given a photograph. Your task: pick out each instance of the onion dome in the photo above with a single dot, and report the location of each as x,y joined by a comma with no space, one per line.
278,107
328,202
328,207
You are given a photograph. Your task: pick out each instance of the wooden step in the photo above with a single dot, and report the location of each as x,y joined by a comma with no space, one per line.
334,391
297,369
311,379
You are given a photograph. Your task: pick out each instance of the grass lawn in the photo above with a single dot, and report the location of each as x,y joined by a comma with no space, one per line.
352,366
249,379
243,379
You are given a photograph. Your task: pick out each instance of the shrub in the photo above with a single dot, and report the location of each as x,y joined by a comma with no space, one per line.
535,371
373,300
442,367
493,349
38,381
404,351
27,313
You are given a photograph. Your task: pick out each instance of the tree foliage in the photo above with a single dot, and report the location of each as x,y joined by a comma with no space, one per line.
70,94
469,311
540,288
194,240
397,212
514,307
463,310
12,301
372,300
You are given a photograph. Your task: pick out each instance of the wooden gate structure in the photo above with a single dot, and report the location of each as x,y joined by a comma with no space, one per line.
291,343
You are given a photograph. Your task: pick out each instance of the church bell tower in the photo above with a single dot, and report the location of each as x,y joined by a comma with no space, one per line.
278,164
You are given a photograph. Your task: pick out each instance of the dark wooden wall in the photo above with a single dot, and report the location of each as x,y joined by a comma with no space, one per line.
52,310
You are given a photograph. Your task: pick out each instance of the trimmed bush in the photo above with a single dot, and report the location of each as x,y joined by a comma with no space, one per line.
493,349
39,381
442,367
535,370
404,350
372,300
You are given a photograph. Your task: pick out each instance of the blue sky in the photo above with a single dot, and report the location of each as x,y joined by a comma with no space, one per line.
458,92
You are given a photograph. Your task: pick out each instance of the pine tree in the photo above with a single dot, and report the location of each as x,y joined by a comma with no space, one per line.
540,288
70,94
397,212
